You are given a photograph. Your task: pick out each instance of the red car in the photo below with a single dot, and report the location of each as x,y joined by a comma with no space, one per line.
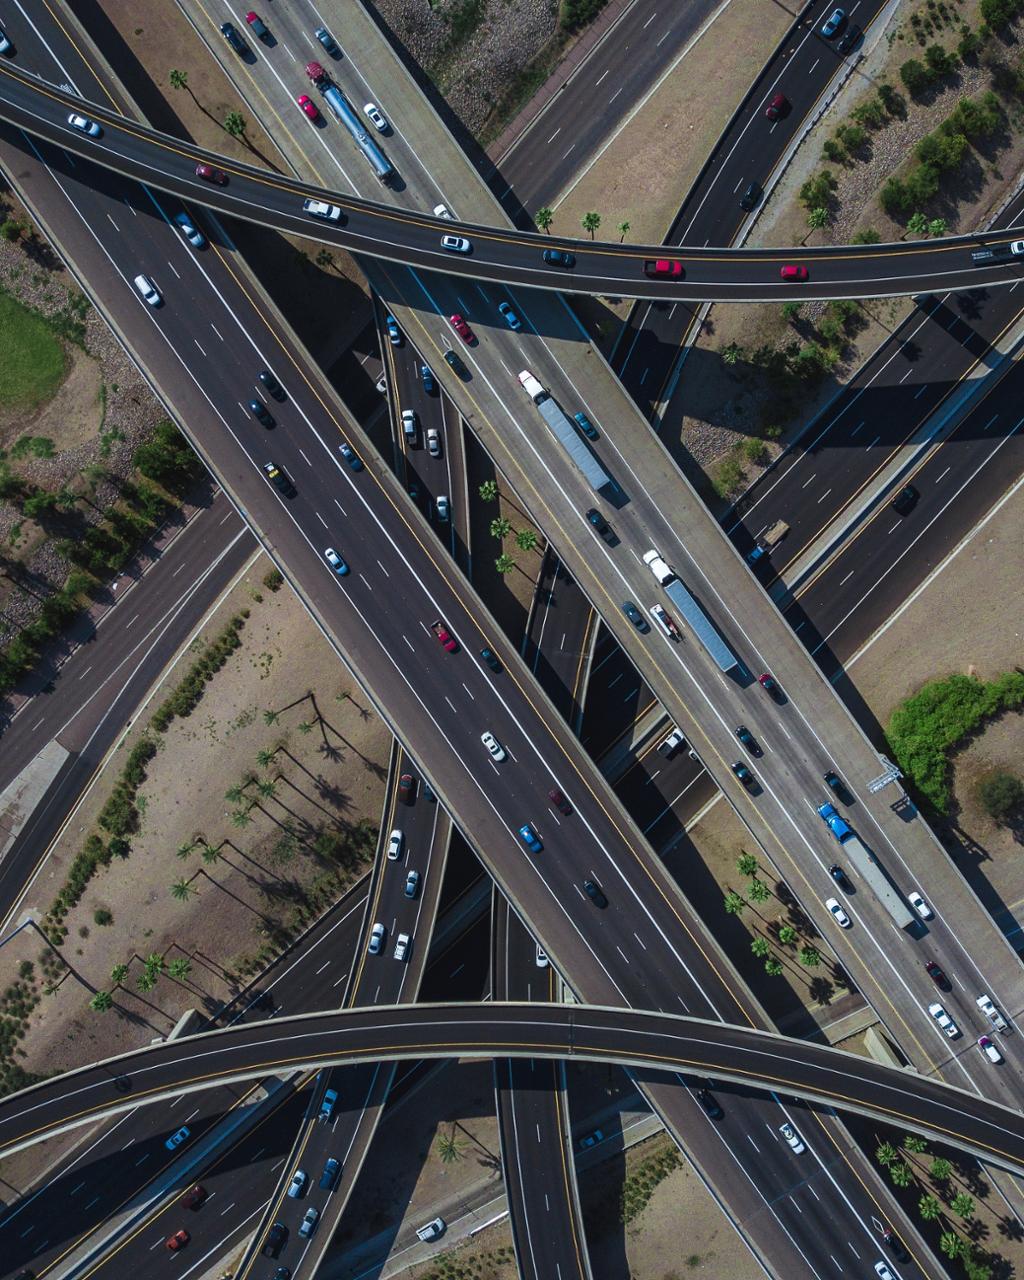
211,174
461,328
196,1196
308,105
178,1240
663,267
778,106
794,273
444,635
559,801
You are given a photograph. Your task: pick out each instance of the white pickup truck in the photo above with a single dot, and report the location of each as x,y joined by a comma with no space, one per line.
984,1003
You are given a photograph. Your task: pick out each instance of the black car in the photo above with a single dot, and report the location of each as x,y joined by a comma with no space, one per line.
599,522
709,1103
849,39
330,1174
743,773
283,1273
456,362
259,411
279,479
833,780
229,33
594,893
491,659
893,1242
636,617
840,877
748,740
751,198
906,500
271,384
276,1237
559,801
559,258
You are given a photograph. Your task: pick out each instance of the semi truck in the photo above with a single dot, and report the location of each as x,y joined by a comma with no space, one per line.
342,110
563,431
691,611
868,866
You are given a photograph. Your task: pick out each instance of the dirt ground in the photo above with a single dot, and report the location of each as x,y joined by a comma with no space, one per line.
325,775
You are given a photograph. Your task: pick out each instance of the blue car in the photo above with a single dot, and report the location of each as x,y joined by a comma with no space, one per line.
510,317
429,385
586,426
394,333
529,838
335,561
176,1139
835,21
350,456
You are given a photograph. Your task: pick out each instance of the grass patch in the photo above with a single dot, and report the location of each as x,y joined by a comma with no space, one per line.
34,364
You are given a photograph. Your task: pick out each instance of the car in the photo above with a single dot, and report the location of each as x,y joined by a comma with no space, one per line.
492,744
530,838
989,1049
148,290
920,906
906,500
308,106
395,842
279,479
460,326
709,1102
591,1140
259,27
394,333
944,1020
937,975
792,1137
410,424
751,197
833,780
1016,247
230,34
636,617
457,365
491,658
456,244
509,316
5,43
377,935
183,221
665,621
444,636
835,21
329,1177
559,801
586,426
778,106
894,1243
308,1224
327,1103
177,1138
195,1197
793,273
336,562
268,380
541,957
595,893
433,442
442,507
841,918
598,521
849,39
431,1230
770,685
283,1273
178,1240
260,412
667,747
559,258
671,268
412,884
442,211
883,1272
427,374
211,174
743,773
748,740
350,456
297,1186
840,877
320,209
84,125
402,947
373,114
276,1237
407,788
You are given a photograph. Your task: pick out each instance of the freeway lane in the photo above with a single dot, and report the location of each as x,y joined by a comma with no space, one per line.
643,1041
503,256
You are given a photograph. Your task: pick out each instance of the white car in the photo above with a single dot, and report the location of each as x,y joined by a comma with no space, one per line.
433,442
944,1020
989,1049
297,1184
792,1137
916,901
308,1224
443,507
456,244
377,935
189,230
84,125
372,112
842,919
441,211
493,746
883,1272
395,841
148,290
336,562
542,957
1016,246
402,946
5,43
319,209
432,1230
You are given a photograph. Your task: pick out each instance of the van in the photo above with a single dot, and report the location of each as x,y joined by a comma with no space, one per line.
409,424
532,387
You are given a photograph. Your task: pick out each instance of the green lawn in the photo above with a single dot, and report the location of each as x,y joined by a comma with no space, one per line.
32,365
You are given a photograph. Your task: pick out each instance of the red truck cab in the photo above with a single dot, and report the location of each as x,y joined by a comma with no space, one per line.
316,73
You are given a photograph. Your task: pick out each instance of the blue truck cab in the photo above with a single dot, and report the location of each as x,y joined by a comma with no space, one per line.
837,826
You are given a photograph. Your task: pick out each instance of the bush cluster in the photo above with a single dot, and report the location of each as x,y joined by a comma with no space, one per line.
639,1186
918,77
575,14
185,695
998,14
942,152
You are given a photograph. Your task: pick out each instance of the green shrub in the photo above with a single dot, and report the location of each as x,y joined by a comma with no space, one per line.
102,916
968,44
577,13
755,451
273,580
915,76
1001,795
999,13
940,63
727,475
818,191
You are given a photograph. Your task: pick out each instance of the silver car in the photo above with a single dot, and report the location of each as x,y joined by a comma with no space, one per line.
377,936
84,125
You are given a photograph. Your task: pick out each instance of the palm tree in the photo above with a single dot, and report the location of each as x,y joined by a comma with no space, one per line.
234,793
489,491
544,218
306,726
265,757
760,947
917,224
267,789
590,222
118,974
183,890
746,864
146,981
758,891
234,123
271,717
900,1174
733,904
773,966
913,1143
817,218
210,853
526,539
732,353
101,1002
962,1205
623,231
179,79
787,935
449,1148
929,1208
886,1154
180,967
951,1244
940,1170
185,849
154,963
810,956
501,528
504,563
241,818
937,227
324,258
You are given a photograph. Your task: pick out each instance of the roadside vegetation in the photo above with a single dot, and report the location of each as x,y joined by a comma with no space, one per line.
34,363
